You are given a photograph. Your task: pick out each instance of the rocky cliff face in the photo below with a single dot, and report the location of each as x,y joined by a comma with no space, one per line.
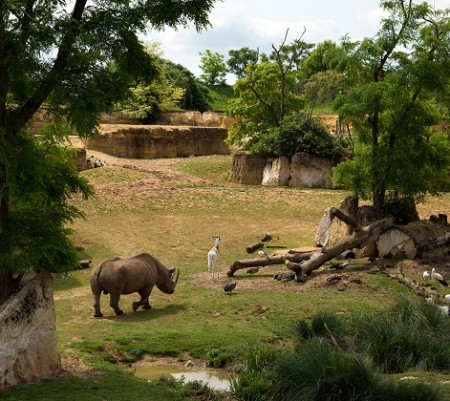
28,341
156,141
302,170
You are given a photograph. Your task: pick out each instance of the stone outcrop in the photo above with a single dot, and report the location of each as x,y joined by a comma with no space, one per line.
303,170
28,347
247,168
156,141
308,170
196,119
276,172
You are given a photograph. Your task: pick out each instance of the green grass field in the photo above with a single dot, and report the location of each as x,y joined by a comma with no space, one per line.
174,219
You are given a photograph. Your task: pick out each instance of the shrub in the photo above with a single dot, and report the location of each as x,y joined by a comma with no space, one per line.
297,134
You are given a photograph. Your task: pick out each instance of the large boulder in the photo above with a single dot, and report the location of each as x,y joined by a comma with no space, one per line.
28,347
247,168
276,172
158,141
303,170
308,170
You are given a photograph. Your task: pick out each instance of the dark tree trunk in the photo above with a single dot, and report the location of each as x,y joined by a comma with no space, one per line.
9,285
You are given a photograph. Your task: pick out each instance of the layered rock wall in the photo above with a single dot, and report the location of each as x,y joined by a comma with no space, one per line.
28,341
156,141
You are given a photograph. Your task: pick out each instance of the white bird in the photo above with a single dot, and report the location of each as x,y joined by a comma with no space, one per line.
438,277
445,309
262,254
426,275
346,264
447,297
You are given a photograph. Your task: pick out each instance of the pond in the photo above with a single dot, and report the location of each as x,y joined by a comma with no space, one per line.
215,379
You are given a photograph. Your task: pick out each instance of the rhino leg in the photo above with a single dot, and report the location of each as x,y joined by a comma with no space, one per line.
97,313
114,303
145,294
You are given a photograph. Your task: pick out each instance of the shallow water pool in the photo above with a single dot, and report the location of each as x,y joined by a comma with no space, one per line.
215,379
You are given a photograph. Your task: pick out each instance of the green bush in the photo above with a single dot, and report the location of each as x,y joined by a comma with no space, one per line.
297,134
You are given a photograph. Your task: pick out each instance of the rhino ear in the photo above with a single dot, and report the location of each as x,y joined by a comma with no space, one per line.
172,270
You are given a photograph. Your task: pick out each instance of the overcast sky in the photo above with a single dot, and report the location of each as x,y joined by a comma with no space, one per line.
259,23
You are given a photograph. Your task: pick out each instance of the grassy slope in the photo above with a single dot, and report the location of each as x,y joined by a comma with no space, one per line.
175,224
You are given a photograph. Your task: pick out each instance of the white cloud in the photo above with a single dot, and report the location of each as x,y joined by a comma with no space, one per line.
259,23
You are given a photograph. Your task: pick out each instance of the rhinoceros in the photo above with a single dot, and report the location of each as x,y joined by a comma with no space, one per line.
127,275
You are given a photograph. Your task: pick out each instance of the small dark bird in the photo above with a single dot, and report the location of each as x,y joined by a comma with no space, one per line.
267,237
286,277
253,270
228,287
372,259
336,266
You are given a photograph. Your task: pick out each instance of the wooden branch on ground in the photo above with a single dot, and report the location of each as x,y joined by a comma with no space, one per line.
318,258
418,289
253,247
270,260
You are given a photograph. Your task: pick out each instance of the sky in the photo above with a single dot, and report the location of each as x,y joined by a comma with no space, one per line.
261,23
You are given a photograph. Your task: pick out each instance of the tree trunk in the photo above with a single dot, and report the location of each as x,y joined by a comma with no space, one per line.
9,285
318,258
270,260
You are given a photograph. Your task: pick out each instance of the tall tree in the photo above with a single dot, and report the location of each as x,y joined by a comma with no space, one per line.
59,52
267,93
394,82
214,68
239,59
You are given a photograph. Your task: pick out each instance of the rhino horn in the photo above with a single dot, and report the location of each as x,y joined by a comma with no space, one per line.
176,278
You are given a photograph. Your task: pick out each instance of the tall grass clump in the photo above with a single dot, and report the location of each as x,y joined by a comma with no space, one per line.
253,382
406,336
318,372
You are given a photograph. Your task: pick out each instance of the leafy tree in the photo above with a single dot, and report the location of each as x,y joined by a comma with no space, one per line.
195,95
148,100
214,68
59,52
239,59
268,92
394,83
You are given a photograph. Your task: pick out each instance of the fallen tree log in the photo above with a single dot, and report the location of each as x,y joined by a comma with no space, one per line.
270,260
253,247
318,258
412,239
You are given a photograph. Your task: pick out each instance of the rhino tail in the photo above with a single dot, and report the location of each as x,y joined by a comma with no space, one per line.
97,281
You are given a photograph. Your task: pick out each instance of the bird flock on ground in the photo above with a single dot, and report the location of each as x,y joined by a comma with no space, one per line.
229,287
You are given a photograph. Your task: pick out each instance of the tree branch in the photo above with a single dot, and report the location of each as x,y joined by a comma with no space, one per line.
21,116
